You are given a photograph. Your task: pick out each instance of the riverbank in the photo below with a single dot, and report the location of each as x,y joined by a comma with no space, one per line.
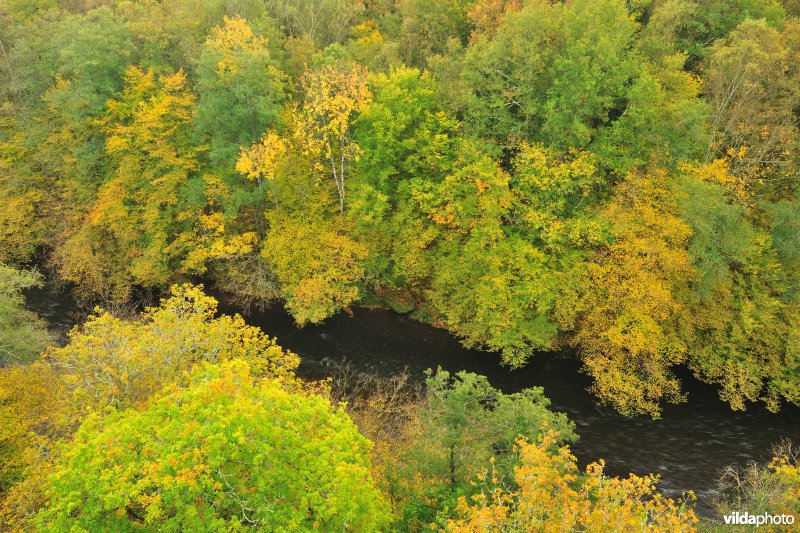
689,446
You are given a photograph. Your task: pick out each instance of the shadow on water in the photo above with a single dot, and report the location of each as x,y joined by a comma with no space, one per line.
688,447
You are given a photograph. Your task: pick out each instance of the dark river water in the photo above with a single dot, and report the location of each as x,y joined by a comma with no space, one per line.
688,447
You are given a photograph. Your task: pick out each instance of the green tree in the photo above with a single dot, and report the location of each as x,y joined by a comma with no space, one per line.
463,423
569,75
427,28
23,335
715,19
741,307
224,453
492,287
405,136
506,245
92,49
240,90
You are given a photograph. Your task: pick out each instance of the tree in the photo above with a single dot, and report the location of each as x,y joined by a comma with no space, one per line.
630,321
534,80
23,335
34,414
110,361
21,227
324,21
712,20
91,49
334,94
260,161
492,287
427,27
406,138
741,303
569,75
309,257
319,266
132,232
404,133
752,82
108,364
507,244
240,90
223,453
487,15
552,495
462,422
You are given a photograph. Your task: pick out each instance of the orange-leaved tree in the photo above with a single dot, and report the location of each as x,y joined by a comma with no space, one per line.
553,495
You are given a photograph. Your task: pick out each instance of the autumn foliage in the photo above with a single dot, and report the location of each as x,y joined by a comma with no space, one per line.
223,453
553,495
614,179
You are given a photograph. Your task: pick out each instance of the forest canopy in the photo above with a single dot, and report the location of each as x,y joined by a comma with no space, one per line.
182,418
617,178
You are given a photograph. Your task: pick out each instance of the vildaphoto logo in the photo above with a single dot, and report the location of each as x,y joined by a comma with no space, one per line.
746,519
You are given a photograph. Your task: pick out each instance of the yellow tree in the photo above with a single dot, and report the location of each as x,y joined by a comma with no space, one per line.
630,319
113,363
334,94
315,264
318,266
751,84
110,361
260,161
131,233
20,227
33,413
554,496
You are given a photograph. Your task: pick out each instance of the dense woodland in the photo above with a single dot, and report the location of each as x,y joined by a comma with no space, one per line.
616,179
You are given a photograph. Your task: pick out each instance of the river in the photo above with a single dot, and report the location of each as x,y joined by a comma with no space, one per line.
688,447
